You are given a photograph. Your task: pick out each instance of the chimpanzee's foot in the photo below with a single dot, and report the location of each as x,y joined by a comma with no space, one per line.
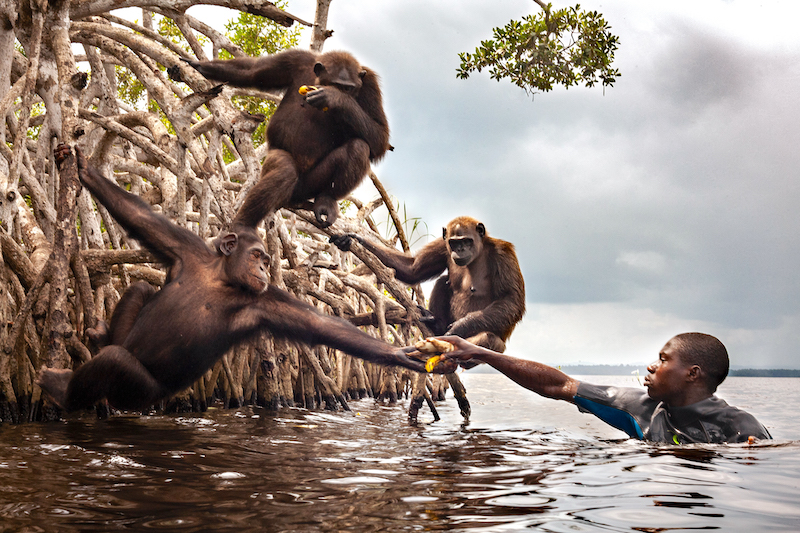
53,383
326,210
99,334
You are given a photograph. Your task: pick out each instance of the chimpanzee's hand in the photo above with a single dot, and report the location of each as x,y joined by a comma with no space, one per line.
61,152
344,241
464,326
174,72
83,163
425,316
320,98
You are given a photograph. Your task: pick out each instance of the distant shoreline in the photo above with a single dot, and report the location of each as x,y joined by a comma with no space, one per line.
622,370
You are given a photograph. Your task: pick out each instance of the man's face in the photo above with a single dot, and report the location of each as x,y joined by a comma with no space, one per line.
667,378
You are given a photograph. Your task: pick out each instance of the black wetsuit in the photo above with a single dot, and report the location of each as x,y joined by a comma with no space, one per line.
634,412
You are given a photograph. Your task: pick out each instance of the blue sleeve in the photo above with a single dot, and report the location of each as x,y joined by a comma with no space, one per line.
622,408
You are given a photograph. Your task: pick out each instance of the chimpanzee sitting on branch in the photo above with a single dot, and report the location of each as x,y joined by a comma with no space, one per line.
163,341
321,142
481,297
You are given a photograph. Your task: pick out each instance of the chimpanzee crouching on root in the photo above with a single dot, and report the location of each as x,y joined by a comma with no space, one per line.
482,296
163,341
320,143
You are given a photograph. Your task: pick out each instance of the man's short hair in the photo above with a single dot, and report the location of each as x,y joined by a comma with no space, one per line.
707,352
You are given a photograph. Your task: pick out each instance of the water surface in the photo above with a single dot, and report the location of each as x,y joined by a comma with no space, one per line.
521,463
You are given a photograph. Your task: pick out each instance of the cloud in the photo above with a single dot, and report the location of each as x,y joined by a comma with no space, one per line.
648,261
617,333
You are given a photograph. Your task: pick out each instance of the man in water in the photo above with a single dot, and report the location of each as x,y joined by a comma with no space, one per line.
678,406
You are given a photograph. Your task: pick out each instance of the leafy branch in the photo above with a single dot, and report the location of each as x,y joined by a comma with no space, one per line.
568,46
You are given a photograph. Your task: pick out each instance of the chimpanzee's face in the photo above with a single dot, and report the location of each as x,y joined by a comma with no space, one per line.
464,243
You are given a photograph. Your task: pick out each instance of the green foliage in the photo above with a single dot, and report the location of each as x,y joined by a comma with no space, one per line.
129,89
563,47
258,35
168,28
37,109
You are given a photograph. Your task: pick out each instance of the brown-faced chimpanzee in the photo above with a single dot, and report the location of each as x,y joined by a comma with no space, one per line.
320,143
163,341
482,296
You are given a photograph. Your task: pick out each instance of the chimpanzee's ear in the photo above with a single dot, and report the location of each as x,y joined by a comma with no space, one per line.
362,74
227,243
481,229
319,68
444,234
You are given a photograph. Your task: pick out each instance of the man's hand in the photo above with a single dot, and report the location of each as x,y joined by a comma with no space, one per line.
463,349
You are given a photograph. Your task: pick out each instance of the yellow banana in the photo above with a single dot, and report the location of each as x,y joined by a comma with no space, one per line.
433,347
431,363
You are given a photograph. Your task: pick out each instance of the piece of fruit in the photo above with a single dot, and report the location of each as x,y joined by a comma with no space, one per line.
432,362
304,89
434,346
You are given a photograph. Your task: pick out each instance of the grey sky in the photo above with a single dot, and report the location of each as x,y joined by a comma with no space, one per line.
667,204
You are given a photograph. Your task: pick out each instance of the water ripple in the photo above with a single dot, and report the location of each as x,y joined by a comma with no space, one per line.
250,470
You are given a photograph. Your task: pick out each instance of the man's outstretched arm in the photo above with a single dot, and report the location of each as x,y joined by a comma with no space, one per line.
541,379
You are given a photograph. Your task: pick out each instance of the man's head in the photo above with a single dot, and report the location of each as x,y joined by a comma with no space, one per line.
690,367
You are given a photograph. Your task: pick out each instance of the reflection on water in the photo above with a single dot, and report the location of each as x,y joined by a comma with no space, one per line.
521,462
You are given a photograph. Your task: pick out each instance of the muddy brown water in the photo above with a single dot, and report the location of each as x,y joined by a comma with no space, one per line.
521,463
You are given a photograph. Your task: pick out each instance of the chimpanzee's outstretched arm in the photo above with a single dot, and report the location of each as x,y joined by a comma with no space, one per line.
286,316
429,262
165,239
266,72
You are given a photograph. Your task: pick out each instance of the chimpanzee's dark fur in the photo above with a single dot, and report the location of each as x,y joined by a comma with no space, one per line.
163,341
320,144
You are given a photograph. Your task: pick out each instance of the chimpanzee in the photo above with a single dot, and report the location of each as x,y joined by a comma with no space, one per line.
163,341
481,298
320,143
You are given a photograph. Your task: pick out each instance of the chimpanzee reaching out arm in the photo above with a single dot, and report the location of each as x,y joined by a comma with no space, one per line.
481,298
157,233
320,143
426,264
213,300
